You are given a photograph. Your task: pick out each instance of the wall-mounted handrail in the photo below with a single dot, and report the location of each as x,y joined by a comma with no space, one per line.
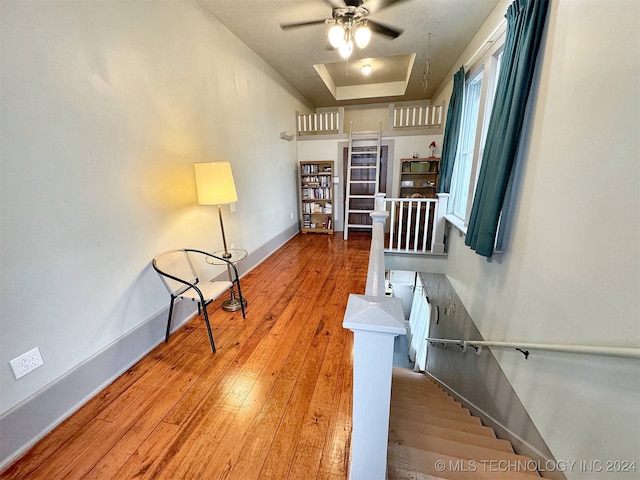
606,351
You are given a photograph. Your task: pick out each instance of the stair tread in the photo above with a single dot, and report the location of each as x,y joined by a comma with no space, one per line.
450,467
418,390
404,429
427,425
426,402
463,416
456,448
436,420
436,405
398,473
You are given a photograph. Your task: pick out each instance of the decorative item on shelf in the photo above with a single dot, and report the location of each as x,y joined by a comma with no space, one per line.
432,149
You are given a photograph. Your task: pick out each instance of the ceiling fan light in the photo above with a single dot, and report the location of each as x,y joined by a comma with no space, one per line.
336,35
362,36
346,49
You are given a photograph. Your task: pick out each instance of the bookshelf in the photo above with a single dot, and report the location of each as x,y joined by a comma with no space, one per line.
419,177
316,196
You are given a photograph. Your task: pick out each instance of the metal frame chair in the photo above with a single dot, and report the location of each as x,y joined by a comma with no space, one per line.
181,279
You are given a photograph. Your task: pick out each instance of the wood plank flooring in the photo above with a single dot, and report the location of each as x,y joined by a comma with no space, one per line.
274,402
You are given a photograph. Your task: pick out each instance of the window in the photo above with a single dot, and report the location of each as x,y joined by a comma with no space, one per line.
466,145
478,100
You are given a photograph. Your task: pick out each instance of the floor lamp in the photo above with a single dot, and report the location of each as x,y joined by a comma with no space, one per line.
214,182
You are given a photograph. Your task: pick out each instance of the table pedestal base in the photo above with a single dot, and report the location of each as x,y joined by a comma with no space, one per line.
233,304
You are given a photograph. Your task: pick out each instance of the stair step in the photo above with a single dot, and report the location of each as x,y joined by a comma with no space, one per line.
455,448
403,374
436,405
398,473
427,400
419,413
451,467
412,391
401,429
431,435
438,421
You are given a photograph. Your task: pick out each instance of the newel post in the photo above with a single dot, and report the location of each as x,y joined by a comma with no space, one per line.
440,224
375,321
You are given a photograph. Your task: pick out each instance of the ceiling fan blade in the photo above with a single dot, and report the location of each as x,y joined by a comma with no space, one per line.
377,5
288,26
383,29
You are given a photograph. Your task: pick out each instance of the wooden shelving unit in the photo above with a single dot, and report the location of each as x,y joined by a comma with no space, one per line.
316,196
419,177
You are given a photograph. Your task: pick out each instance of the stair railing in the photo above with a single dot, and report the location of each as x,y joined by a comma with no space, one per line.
526,348
375,320
417,225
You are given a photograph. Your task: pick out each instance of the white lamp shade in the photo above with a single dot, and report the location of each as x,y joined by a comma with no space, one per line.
362,36
214,182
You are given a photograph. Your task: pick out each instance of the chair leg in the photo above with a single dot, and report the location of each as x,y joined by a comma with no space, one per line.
241,298
166,338
206,321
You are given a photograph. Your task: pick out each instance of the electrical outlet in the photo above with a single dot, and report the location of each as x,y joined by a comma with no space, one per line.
25,363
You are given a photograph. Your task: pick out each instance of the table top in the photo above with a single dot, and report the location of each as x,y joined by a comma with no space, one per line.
237,254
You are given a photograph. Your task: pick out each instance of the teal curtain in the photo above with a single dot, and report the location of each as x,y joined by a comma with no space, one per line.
525,24
451,132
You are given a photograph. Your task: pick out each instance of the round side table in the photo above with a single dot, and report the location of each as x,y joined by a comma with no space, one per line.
235,302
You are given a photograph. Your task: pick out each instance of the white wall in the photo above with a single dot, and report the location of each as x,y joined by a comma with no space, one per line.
105,107
571,273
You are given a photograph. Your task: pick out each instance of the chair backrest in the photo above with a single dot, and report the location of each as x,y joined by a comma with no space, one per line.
175,263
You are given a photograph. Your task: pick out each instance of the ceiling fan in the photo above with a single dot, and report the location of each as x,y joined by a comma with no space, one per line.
349,24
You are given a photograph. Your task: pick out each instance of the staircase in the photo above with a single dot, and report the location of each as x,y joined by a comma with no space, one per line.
431,436
363,179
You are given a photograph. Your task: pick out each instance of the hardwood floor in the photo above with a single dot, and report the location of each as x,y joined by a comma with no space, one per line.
274,402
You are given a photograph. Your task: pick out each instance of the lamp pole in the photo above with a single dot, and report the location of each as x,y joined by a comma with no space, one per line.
226,253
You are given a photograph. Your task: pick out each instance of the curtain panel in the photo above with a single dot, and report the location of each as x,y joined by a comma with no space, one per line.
451,132
525,25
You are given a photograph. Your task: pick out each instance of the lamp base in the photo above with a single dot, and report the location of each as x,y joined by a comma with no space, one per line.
234,304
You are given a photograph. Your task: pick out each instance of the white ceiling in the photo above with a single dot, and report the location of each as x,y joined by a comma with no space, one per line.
294,53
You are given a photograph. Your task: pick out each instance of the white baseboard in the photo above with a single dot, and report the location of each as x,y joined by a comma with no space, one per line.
29,421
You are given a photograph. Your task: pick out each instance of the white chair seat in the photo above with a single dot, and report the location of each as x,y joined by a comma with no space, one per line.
210,290
181,279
